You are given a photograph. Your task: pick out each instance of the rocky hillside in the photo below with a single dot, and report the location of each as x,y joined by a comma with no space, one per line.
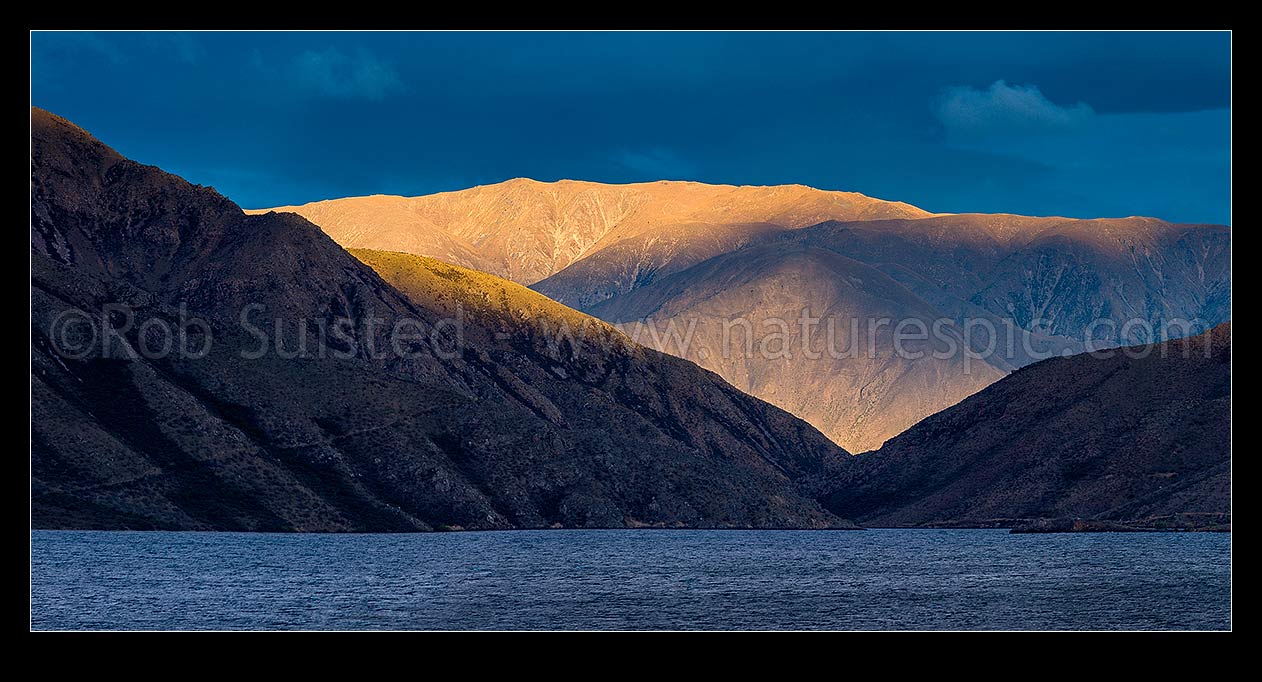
1016,289
313,413
741,314
526,230
1140,438
635,262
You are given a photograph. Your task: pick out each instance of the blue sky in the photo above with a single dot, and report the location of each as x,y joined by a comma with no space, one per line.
1075,124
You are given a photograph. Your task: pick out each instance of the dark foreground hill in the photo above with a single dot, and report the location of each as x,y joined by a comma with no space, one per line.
1128,440
338,403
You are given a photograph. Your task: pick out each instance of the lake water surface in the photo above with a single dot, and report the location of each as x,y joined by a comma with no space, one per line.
631,579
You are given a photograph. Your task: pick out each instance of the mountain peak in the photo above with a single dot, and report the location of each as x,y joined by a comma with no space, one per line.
45,123
526,230
56,142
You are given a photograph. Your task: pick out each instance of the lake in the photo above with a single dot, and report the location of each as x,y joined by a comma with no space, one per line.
631,580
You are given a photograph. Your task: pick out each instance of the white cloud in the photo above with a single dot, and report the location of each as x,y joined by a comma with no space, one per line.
333,73
1004,109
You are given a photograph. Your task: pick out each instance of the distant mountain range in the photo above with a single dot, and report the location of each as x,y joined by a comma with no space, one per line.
688,256
503,406
525,230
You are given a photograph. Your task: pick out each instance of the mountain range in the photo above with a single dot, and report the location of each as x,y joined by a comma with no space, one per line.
678,263
515,429
525,230
358,387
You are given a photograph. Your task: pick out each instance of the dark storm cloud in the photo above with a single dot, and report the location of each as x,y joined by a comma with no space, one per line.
1066,123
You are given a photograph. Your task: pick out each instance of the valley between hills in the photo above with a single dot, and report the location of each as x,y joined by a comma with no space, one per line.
685,258
544,410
